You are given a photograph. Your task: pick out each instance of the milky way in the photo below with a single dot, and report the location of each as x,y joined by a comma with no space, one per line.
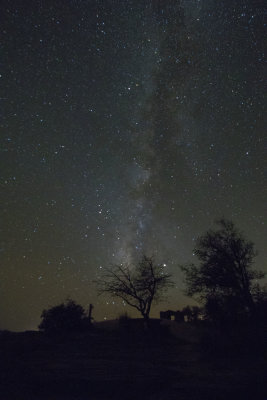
127,128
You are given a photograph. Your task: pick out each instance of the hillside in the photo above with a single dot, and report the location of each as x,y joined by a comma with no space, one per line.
121,361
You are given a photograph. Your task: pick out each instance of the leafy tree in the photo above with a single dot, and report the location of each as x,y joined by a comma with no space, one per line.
260,298
67,316
138,285
224,278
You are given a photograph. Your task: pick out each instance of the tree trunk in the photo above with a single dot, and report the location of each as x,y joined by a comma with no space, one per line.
146,321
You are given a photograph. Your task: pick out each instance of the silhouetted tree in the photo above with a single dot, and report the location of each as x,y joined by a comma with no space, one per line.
138,285
260,298
224,279
67,316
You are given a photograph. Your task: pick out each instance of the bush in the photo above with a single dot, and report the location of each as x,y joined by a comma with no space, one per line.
68,316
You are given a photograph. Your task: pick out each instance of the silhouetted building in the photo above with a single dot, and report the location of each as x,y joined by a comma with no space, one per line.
177,316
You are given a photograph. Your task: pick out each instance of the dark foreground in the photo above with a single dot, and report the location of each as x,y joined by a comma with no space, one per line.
128,363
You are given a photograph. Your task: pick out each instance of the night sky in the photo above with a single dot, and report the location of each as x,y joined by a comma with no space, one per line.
127,127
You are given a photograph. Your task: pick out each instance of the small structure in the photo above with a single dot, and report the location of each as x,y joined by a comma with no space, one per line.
177,316
90,313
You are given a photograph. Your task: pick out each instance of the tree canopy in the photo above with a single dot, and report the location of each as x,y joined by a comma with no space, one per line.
224,274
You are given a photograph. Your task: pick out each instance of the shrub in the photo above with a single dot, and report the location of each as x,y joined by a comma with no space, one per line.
68,316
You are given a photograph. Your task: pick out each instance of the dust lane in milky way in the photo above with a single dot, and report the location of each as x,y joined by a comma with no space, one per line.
126,129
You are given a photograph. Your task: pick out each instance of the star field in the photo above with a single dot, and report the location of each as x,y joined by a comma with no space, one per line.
126,128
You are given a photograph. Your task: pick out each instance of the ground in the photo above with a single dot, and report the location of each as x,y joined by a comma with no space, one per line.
115,361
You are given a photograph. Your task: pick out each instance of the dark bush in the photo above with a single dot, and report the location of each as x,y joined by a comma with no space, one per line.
68,316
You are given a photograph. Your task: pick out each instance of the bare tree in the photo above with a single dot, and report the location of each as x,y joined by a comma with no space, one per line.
138,286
